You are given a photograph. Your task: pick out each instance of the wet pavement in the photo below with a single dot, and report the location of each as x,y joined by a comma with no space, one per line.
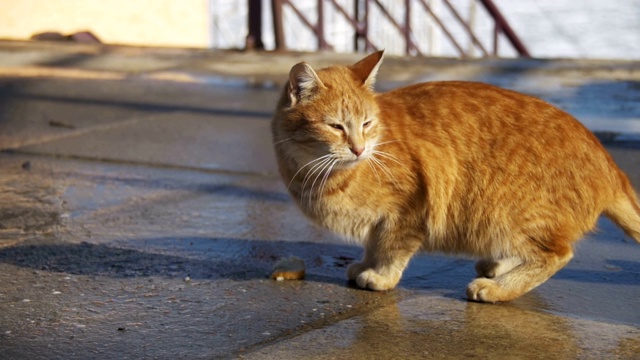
140,215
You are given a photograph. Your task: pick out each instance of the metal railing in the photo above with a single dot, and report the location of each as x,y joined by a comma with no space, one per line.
448,19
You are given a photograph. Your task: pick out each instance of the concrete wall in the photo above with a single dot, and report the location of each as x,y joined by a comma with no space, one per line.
182,23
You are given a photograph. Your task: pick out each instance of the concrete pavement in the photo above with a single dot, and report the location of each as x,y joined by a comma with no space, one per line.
140,215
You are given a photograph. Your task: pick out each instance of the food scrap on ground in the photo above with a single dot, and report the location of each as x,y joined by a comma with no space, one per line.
291,268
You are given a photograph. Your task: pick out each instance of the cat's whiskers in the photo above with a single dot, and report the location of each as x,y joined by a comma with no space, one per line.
384,168
314,169
322,170
323,175
375,161
326,177
373,168
281,141
317,170
304,166
386,155
385,142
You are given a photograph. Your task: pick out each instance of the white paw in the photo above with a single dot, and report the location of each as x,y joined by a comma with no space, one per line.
484,290
370,279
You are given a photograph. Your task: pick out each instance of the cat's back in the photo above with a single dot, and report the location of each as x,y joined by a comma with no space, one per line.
467,102
483,115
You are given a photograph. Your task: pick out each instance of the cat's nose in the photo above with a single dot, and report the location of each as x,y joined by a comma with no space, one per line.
357,151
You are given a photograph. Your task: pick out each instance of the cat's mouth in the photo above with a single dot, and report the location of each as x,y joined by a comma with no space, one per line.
350,161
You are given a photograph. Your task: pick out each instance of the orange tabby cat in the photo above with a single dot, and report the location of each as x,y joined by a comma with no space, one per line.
455,167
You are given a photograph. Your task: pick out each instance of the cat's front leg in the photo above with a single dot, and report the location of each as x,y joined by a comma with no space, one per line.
383,264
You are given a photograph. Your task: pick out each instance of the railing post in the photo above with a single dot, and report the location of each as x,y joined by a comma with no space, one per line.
505,28
356,28
278,29
254,37
365,28
407,26
322,43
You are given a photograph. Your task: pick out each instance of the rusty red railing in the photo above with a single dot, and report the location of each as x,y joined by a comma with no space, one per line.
359,20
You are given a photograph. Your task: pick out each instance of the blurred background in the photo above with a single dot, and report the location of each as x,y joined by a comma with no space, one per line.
443,28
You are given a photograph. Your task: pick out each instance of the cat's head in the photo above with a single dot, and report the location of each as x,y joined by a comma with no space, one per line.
331,112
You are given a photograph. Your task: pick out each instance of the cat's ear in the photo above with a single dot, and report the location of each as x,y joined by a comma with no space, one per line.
303,83
367,68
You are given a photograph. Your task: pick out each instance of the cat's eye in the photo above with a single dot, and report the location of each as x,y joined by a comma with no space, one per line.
337,126
366,124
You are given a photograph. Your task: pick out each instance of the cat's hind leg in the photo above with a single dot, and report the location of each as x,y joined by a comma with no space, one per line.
519,280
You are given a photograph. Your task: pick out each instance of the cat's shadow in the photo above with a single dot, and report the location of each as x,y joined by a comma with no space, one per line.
195,257
241,259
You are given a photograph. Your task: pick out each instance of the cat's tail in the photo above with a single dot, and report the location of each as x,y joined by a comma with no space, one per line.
625,210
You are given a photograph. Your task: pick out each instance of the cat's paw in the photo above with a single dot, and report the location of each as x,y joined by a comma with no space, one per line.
370,279
484,290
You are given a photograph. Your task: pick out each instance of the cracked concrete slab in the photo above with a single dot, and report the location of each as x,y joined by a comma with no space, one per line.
180,139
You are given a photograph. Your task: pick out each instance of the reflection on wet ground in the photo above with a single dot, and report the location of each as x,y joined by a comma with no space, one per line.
430,327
